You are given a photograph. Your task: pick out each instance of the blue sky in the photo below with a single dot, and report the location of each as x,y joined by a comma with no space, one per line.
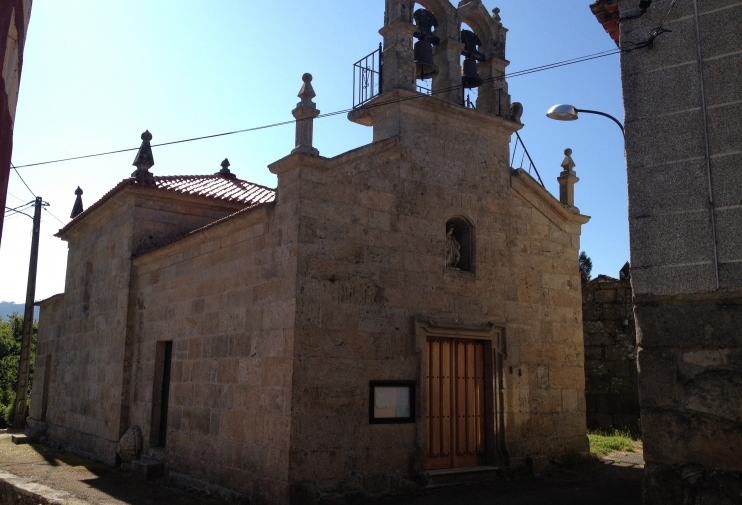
97,74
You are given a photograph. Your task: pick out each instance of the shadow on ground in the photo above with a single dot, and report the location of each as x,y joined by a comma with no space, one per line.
86,479
575,482
589,482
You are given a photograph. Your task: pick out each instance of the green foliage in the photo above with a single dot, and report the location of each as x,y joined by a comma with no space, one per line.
604,442
11,333
586,266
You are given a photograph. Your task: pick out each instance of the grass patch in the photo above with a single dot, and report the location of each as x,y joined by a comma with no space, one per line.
605,442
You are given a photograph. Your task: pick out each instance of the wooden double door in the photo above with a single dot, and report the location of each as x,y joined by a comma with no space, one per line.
456,413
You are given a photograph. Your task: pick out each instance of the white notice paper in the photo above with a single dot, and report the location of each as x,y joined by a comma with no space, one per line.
403,397
385,398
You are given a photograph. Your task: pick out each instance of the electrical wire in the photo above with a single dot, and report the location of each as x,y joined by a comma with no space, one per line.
8,209
667,15
24,182
55,217
11,194
654,32
20,206
344,111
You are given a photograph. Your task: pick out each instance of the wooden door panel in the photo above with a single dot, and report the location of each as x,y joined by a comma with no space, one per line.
456,414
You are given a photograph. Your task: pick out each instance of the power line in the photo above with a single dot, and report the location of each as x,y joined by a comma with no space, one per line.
21,206
55,217
330,114
24,182
11,194
8,209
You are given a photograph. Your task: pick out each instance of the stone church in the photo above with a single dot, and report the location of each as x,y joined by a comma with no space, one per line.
383,319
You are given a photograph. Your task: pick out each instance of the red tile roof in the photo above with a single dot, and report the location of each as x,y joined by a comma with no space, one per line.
608,15
218,187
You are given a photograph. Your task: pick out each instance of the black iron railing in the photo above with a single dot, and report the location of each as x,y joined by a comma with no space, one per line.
524,154
470,98
424,90
367,75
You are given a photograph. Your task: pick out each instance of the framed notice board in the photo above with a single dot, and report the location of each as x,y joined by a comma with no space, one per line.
391,402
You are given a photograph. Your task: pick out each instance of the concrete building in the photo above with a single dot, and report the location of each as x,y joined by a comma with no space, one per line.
14,17
682,82
383,318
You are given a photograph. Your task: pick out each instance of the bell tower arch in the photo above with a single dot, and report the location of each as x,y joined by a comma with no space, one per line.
493,93
399,57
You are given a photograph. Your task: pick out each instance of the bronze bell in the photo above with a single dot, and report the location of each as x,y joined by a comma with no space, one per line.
424,66
426,23
469,74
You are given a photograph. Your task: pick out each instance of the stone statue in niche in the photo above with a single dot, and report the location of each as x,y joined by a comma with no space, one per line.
453,249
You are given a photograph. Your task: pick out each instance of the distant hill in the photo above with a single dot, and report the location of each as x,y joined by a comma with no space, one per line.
7,308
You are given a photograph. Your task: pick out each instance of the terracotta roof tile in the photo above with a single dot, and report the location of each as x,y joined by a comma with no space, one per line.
227,189
608,15
216,186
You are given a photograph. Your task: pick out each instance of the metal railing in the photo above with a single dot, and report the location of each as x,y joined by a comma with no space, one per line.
468,102
524,155
424,90
367,75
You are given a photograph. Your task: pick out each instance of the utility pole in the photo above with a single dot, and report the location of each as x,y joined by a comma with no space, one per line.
19,421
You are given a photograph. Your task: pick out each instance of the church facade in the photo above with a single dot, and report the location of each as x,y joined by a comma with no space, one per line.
381,319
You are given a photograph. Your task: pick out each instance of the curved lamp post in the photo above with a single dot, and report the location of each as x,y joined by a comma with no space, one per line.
565,112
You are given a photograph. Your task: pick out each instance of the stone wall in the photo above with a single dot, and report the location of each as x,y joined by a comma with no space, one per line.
371,262
683,102
87,331
225,298
611,389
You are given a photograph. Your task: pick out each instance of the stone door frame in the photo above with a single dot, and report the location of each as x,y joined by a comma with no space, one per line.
494,356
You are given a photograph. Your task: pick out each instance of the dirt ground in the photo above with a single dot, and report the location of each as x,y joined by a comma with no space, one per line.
85,479
616,480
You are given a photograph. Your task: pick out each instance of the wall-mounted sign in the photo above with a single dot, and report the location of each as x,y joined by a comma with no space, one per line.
391,402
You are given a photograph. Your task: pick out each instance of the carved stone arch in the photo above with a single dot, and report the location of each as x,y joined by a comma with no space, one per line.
475,14
493,97
446,15
461,228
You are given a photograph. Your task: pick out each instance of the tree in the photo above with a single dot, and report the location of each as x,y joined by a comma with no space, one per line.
586,267
11,333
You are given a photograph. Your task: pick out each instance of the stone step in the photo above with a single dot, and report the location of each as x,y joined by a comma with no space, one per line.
24,439
158,453
450,476
149,468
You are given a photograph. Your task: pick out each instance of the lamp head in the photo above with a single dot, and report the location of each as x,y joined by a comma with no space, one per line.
562,113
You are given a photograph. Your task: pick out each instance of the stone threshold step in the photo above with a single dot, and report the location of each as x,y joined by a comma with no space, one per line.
24,439
149,468
449,476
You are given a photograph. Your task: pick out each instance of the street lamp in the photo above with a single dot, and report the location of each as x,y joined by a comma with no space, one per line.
565,112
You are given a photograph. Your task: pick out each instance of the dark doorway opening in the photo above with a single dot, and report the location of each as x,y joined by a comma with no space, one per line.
161,393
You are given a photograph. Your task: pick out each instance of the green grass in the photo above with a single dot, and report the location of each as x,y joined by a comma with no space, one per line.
605,442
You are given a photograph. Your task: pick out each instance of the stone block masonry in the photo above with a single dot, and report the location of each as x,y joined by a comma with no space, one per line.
683,101
611,389
246,349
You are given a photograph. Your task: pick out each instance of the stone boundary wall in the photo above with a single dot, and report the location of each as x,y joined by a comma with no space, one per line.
611,390
17,491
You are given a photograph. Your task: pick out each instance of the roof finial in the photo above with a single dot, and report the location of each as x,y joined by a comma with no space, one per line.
224,172
305,112
144,161
567,180
306,93
77,208
496,14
